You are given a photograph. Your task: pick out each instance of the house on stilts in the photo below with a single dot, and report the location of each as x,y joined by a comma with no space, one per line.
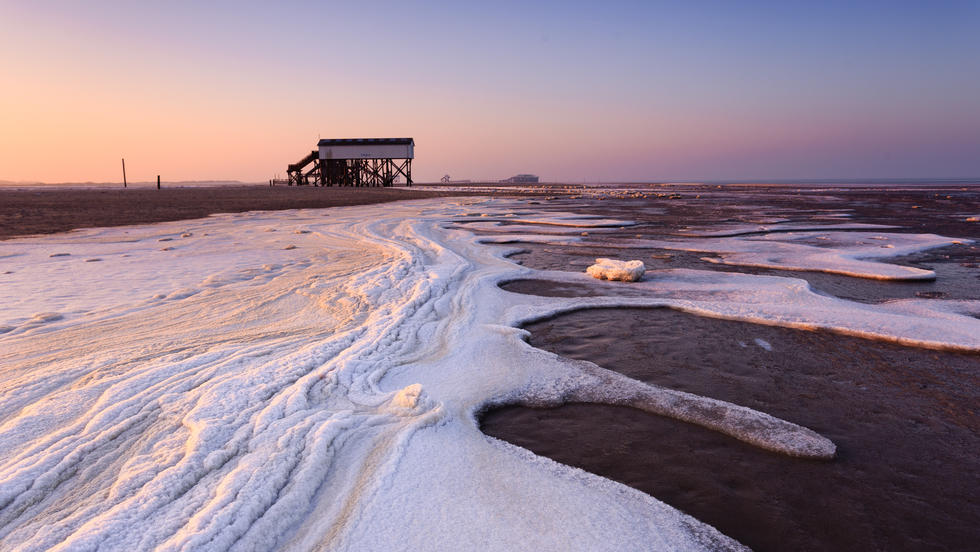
354,162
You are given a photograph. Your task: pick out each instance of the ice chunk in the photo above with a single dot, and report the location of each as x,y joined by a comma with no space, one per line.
763,343
611,269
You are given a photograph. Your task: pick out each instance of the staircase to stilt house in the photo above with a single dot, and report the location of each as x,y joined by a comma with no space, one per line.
298,173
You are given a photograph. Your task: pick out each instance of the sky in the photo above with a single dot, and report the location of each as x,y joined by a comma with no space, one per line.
571,91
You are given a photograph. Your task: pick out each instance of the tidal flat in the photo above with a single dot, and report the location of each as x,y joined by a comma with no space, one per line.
442,373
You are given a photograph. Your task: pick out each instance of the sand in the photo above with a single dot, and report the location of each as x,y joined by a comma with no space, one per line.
26,211
904,419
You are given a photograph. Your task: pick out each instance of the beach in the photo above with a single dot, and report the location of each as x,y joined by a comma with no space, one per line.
45,210
848,311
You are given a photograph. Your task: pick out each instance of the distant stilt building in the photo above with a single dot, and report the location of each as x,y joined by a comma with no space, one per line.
522,179
355,162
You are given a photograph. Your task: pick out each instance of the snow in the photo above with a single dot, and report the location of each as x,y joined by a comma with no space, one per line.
789,302
234,393
846,253
777,226
552,218
528,222
611,269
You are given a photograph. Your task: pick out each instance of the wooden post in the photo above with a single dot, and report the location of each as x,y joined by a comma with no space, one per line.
124,172
158,181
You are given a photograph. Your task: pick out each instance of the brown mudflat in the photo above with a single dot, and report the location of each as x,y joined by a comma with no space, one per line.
904,420
947,212
46,210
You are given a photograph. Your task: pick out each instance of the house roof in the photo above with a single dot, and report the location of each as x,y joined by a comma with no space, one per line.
366,142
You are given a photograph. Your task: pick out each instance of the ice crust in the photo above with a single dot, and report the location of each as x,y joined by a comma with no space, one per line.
233,394
781,225
846,253
553,223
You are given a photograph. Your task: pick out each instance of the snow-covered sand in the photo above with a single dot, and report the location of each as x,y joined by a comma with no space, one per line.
846,253
310,379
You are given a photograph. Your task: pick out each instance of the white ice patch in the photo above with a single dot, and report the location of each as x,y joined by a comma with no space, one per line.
847,253
530,238
781,226
550,218
789,302
611,269
233,394
544,223
528,228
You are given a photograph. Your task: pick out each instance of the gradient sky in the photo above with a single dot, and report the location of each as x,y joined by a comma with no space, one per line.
572,91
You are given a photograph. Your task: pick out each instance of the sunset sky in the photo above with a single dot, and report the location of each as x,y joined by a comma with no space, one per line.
571,91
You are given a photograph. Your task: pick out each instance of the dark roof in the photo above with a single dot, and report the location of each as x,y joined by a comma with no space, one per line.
366,141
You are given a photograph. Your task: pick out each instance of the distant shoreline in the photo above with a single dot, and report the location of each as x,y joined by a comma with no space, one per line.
830,182
26,211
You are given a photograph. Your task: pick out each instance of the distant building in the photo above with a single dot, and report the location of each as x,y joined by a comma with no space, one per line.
522,179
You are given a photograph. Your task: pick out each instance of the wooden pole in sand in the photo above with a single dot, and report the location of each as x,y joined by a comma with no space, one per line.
158,181
124,172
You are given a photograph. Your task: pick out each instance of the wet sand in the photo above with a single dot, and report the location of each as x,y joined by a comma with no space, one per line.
953,280
907,474
48,210
904,420
939,211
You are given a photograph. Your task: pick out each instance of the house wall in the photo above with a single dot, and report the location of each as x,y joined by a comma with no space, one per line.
368,151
